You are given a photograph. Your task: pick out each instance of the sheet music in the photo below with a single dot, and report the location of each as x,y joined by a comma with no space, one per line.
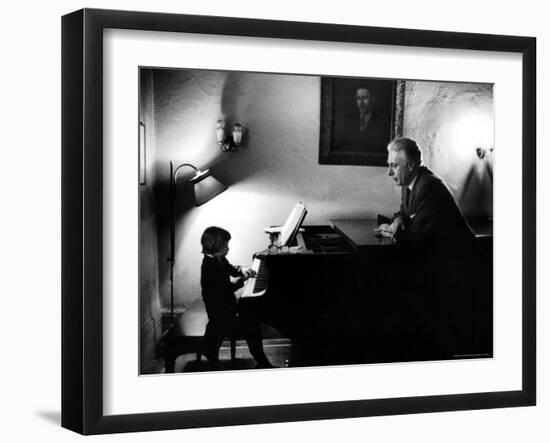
292,223
257,286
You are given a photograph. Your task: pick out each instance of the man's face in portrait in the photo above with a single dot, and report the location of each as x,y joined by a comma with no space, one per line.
365,100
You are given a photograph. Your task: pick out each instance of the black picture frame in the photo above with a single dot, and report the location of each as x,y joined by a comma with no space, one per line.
82,218
342,141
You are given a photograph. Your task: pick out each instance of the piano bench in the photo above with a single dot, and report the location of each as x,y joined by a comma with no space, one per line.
175,345
186,337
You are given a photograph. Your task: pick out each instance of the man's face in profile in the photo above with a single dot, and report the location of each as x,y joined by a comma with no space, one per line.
398,168
365,100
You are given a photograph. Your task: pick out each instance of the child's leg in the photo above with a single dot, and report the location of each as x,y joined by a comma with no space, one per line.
212,341
221,321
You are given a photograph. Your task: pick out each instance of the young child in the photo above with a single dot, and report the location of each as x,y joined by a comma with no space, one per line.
218,292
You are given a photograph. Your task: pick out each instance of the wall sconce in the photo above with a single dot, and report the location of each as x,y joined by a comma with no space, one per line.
483,152
229,142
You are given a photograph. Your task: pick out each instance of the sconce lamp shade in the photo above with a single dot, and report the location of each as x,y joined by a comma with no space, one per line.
206,187
237,134
483,152
220,131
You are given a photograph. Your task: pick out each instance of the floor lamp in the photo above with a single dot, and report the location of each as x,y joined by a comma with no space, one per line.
205,187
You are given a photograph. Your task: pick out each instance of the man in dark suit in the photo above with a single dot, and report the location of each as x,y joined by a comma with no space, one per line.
363,129
439,252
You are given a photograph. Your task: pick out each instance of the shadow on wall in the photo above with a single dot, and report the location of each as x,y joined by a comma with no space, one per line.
232,101
476,197
146,203
238,100
148,259
185,202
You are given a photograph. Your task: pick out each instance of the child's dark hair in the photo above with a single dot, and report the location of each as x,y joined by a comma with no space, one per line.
213,239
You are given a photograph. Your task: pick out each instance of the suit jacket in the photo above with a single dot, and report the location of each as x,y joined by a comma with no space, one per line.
441,267
349,137
433,222
218,291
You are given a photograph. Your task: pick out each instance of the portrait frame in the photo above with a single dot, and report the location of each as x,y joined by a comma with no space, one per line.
330,137
142,156
83,239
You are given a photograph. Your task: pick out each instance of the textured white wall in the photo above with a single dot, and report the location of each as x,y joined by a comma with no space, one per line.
448,121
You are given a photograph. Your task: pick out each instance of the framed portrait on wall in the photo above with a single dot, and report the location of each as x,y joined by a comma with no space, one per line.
359,117
317,127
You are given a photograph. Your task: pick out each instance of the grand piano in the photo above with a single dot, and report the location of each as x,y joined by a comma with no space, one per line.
306,292
332,292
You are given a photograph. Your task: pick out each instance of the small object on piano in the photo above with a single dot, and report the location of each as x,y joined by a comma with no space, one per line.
273,248
273,230
295,249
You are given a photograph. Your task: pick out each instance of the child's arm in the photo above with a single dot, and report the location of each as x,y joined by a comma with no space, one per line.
240,271
216,283
234,271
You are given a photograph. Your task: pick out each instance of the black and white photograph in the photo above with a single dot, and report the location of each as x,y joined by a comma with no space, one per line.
256,253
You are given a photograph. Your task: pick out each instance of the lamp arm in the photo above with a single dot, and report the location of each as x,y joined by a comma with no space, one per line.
175,173
173,181
172,258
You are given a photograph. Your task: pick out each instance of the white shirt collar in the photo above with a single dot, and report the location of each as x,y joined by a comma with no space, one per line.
411,184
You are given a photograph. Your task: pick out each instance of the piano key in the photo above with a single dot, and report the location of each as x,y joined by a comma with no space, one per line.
257,286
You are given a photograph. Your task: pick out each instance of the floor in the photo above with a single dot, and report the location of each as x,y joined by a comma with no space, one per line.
279,352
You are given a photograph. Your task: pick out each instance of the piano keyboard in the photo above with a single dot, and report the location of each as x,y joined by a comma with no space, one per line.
256,286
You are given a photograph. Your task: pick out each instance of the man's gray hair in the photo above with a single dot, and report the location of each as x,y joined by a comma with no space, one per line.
409,147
